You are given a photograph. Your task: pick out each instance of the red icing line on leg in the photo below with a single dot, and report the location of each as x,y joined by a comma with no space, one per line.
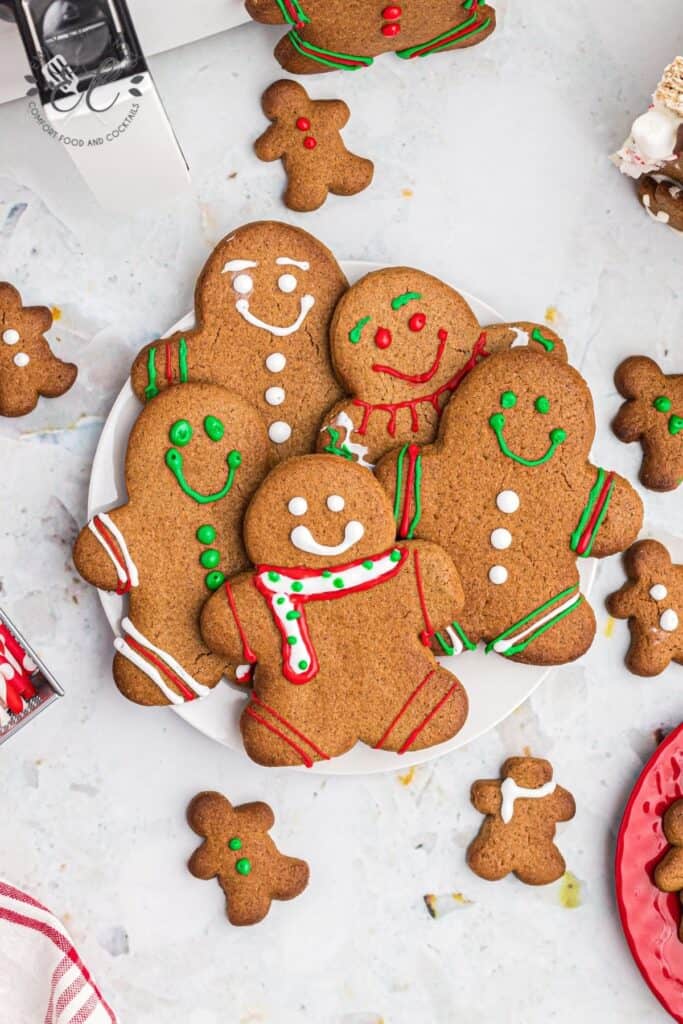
185,691
399,716
584,543
435,710
427,633
413,452
278,732
246,649
292,728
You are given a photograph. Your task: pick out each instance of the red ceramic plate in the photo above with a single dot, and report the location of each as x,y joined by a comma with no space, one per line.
649,917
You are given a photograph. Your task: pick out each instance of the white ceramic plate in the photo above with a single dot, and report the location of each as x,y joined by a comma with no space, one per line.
495,687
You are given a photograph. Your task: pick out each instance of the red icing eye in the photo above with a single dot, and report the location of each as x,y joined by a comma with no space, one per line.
303,124
383,337
417,322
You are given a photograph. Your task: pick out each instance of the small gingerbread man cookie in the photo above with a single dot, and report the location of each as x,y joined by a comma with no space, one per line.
28,369
652,601
669,872
238,851
522,810
305,135
653,415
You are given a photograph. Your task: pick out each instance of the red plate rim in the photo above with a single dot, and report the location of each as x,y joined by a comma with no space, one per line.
649,917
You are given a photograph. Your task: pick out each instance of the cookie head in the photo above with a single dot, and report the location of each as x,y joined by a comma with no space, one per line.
268,279
400,334
317,511
527,772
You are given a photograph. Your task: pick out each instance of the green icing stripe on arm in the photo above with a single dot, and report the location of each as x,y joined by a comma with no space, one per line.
151,391
417,488
600,520
399,483
182,360
588,510
299,17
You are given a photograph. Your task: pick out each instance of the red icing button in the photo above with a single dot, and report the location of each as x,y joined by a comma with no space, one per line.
383,337
310,142
417,321
391,30
303,124
392,13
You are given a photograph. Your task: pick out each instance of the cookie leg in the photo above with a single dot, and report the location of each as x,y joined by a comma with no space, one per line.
356,175
430,713
304,194
646,656
545,867
559,640
488,858
298,63
278,736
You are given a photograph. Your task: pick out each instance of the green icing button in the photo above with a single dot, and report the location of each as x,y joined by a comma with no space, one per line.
210,559
243,866
206,534
214,580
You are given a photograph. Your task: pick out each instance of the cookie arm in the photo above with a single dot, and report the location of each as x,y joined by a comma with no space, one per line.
268,12
441,594
272,144
102,556
561,804
339,435
524,333
486,796
161,364
336,112
611,518
669,871
233,619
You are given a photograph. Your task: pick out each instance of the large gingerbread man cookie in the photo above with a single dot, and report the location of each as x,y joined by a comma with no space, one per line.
28,368
509,492
263,306
402,342
329,34
653,415
195,457
336,620
652,601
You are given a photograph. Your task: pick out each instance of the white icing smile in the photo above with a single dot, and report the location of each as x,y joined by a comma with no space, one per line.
305,306
302,538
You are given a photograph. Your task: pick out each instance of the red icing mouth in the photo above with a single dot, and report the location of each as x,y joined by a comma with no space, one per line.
417,378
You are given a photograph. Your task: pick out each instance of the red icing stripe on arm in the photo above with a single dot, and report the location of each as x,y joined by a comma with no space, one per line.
249,655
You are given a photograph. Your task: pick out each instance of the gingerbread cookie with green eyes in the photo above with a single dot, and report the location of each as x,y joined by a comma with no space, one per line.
508,490
336,621
263,307
653,415
195,457
402,342
326,35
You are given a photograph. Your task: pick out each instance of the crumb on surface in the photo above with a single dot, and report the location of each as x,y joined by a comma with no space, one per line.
570,891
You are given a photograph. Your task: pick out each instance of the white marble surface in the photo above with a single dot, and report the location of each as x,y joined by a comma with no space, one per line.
492,170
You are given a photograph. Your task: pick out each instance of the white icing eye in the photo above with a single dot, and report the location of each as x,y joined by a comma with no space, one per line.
21,359
298,506
336,503
243,284
276,362
11,337
287,283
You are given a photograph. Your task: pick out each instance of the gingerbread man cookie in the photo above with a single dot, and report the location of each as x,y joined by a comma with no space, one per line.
402,342
306,136
263,306
509,492
329,34
336,620
238,851
28,368
522,810
652,601
653,415
195,457
669,872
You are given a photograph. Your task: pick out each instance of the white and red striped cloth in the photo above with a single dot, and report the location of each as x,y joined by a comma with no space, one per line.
42,978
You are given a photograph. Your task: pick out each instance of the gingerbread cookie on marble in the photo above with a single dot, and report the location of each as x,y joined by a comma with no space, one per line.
402,342
653,415
522,810
508,490
28,368
652,601
306,136
329,34
263,306
238,851
336,621
668,875
195,457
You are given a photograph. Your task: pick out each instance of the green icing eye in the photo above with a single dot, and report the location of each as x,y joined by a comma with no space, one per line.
214,428
356,332
508,400
662,404
402,300
180,433
542,405
235,843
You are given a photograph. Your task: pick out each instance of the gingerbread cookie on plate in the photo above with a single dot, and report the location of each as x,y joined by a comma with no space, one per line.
402,342
329,34
28,368
306,136
508,490
652,601
194,459
653,415
669,871
336,621
263,306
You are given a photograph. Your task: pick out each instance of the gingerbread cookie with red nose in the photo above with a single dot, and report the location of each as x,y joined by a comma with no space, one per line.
402,342
508,490
263,306
336,621
28,368
653,415
194,459
327,34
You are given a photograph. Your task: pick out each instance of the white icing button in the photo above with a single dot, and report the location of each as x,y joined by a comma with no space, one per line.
275,396
298,506
336,503
501,539
21,359
508,501
279,432
276,362
243,284
11,337
498,574
287,283
669,621
658,592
